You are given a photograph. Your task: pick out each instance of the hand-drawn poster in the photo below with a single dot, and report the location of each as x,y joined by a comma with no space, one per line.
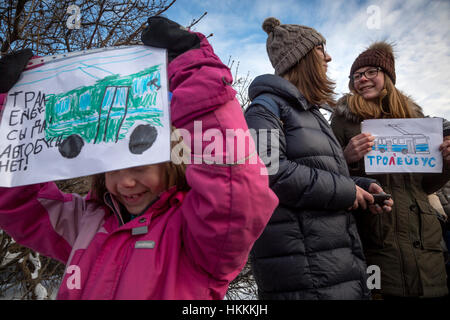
404,145
85,114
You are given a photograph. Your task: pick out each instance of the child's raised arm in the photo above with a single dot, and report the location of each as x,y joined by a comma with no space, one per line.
230,201
43,218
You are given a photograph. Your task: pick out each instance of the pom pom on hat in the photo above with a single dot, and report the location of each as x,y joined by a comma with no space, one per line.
269,24
383,46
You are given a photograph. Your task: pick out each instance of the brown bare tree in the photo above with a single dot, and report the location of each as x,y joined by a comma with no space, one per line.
42,25
240,83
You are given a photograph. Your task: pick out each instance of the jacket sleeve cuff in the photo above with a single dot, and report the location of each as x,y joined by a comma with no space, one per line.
364,182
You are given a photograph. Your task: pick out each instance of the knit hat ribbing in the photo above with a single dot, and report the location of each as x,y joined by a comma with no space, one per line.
379,54
287,44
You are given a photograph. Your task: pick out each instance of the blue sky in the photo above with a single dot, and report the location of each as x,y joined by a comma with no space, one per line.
420,30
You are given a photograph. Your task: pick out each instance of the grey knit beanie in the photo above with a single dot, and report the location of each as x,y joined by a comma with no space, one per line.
288,43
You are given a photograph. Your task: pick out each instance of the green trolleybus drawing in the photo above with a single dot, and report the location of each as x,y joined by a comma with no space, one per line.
106,112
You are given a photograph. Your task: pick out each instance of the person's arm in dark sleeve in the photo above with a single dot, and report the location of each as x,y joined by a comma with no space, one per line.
297,185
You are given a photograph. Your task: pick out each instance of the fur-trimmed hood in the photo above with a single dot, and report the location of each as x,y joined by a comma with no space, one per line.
343,110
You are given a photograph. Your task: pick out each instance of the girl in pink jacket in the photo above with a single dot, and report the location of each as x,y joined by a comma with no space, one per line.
156,231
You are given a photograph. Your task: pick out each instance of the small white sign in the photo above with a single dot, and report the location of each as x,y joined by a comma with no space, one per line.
404,145
85,113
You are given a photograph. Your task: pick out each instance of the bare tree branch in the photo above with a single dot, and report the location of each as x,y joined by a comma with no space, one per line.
195,21
41,25
102,9
13,34
165,8
240,83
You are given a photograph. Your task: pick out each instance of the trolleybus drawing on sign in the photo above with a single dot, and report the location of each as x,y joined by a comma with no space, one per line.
106,112
406,143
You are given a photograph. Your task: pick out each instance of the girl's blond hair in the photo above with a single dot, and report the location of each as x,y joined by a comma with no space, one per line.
311,80
391,103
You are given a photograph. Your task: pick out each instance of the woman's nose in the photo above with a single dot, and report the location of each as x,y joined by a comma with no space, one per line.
327,57
363,78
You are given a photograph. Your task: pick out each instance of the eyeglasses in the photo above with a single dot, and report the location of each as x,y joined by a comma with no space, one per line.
369,74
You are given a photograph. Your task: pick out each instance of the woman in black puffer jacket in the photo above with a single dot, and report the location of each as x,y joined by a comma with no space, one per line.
310,249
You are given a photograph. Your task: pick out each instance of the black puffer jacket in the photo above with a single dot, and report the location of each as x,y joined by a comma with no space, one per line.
310,249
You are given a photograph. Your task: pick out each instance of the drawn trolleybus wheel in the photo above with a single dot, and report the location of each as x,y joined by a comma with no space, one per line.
382,150
142,138
71,146
404,151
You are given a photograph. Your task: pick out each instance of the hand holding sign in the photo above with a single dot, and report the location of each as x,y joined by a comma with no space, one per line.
358,147
11,66
164,33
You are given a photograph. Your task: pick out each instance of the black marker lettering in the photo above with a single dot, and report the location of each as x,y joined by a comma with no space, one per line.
7,151
15,95
26,98
11,135
11,116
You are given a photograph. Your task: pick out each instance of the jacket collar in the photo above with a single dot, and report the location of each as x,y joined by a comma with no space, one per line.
273,84
167,199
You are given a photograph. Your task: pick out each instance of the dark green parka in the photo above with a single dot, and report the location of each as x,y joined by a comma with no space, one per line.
406,243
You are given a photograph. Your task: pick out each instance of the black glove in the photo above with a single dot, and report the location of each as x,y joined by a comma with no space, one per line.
164,33
11,66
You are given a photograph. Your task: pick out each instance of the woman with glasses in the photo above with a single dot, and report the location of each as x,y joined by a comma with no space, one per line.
405,243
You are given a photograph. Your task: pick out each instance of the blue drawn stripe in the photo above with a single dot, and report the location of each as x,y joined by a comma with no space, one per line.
120,61
101,69
56,74
82,61
399,147
421,147
94,118
96,78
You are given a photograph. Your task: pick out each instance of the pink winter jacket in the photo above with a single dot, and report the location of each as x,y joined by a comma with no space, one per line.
187,245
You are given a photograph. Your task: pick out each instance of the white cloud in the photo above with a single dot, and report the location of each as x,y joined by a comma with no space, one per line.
419,28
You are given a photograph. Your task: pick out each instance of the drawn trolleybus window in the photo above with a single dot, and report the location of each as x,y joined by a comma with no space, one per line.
106,111
406,143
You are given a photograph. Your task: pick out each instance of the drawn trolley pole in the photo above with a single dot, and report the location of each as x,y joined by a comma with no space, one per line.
105,112
405,143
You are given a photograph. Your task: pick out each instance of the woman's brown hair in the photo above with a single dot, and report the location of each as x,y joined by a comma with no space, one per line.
392,103
311,80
